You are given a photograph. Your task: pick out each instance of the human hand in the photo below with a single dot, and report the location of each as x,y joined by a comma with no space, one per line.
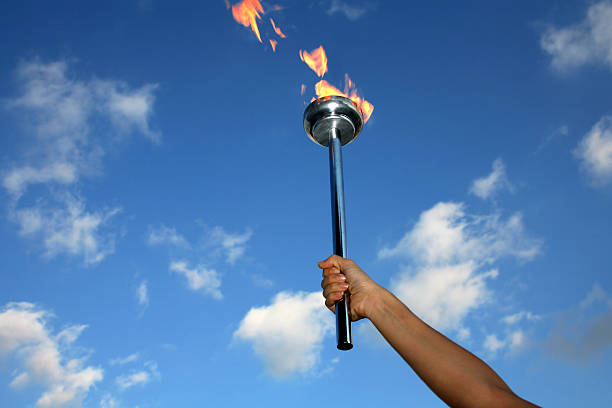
341,275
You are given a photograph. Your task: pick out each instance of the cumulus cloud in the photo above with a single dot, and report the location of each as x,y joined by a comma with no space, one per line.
588,41
585,332
199,279
166,236
350,11
495,182
595,152
287,334
446,234
141,377
41,357
71,124
452,253
233,245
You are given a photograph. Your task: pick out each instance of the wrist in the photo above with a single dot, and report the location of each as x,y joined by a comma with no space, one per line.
375,303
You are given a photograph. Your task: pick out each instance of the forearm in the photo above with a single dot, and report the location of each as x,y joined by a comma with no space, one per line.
457,376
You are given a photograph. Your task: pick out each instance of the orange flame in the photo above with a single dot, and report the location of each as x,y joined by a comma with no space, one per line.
246,13
324,88
273,44
316,60
302,89
277,30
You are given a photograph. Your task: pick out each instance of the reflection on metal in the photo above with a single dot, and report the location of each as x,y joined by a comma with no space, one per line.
333,122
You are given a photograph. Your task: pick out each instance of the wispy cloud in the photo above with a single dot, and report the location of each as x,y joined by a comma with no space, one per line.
65,226
350,11
234,245
199,279
522,315
287,345
125,360
142,294
164,235
512,342
584,332
497,181
71,123
45,359
595,152
588,41
149,373
452,253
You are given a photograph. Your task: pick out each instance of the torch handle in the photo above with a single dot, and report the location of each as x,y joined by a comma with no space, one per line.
343,320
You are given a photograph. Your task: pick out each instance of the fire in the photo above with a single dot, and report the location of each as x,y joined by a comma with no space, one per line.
273,44
316,60
302,89
324,88
246,13
277,30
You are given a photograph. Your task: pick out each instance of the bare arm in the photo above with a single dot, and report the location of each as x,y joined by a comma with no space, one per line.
457,376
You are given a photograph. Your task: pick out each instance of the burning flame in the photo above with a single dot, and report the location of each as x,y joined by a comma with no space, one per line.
277,30
246,13
316,60
324,88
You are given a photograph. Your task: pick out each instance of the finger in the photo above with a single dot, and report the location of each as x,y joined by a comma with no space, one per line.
333,260
334,287
334,278
333,298
330,271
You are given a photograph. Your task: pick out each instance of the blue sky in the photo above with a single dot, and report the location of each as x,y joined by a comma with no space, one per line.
163,210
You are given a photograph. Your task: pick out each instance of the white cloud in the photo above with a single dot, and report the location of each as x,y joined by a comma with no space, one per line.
142,294
595,151
444,295
512,342
233,245
166,235
517,317
589,41
71,122
585,332
128,109
452,253
17,180
487,187
41,357
125,360
67,227
108,401
287,334
199,279
142,377
446,234
517,339
492,343
350,11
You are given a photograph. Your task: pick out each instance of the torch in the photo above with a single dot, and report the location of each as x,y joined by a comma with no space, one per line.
334,121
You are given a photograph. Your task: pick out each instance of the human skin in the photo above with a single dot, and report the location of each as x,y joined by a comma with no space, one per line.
458,377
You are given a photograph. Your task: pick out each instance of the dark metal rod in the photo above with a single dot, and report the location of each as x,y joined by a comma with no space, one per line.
343,320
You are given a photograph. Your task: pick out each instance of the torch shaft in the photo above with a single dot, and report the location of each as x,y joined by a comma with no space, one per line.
343,320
